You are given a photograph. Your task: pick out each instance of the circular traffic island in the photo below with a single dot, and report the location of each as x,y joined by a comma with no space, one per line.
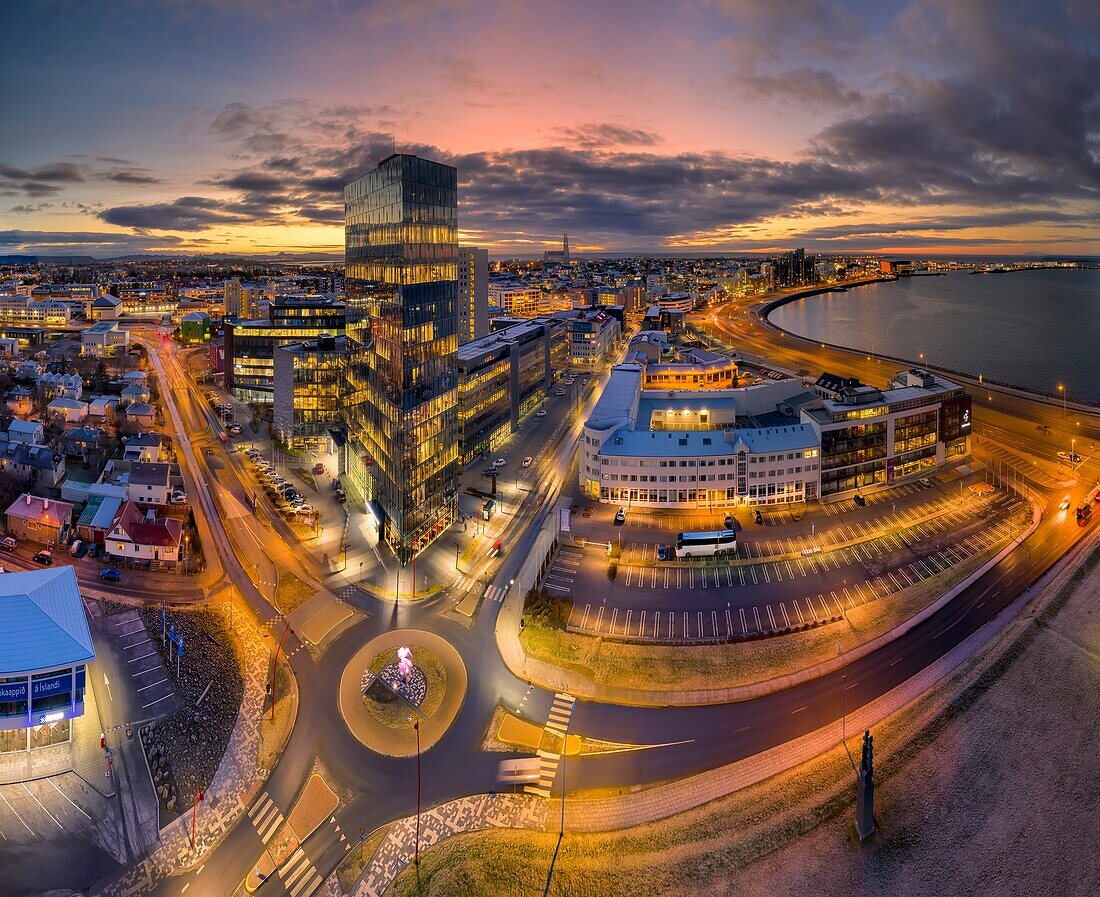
398,682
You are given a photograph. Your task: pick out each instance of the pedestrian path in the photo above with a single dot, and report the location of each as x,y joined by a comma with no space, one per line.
495,593
557,723
266,817
299,876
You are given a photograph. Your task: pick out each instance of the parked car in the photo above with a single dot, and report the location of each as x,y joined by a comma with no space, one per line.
8,543
78,548
110,574
499,462
528,461
235,430
1084,514
341,497
758,518
44,557
95,551
1064,504
620,517
489,472
318,469
860,501
662,552
729,522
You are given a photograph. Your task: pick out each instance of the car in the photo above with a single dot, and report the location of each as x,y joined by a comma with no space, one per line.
860,501
1064,505
341,497
925,482
96,551
1084,514
489,472
78,549
210,451
499,462
178,499
758,518
44,557
318,469
336,484
540,413
8,543
662,552
620,517
559,392
1069,457
528,461
235,430
110,574
729,522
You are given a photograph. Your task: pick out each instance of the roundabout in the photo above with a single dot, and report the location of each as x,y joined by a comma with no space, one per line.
396,682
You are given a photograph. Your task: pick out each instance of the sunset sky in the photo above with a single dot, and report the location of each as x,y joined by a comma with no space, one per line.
936,126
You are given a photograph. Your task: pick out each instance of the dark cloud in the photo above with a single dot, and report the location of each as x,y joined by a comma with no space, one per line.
188,213
131,175
44,180
55,242
605,134
803,85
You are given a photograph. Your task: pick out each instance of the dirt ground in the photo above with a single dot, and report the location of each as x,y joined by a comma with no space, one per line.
997,795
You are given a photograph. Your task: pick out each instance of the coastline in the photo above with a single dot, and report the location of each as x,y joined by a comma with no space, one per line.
763,312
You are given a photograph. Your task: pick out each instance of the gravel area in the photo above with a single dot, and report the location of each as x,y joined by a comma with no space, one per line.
184,749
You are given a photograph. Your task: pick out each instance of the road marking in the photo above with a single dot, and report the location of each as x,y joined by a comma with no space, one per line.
158,682
771,617
16,812
853,685
899,660
756,616
744,627
799,710
44,810
157,701
69,799
185,887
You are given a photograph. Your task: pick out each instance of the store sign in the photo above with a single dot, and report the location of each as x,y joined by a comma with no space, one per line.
13,691
55,685
965,419
54,717
566,514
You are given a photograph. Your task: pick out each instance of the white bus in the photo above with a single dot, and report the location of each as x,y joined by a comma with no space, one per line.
697,545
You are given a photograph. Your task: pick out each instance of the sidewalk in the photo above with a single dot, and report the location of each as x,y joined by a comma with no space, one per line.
236,782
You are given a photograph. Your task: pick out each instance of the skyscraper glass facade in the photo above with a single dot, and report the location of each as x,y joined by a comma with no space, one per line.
401,285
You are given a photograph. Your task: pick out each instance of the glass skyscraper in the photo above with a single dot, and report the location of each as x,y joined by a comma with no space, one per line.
401,286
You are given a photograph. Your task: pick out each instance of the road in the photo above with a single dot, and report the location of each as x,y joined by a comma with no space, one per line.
385,787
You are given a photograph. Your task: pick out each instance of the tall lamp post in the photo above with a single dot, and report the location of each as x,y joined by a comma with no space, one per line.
416,849
561,829
1062,390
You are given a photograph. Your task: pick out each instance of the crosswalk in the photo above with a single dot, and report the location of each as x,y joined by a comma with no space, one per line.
495,593
299,876
266,817
558,723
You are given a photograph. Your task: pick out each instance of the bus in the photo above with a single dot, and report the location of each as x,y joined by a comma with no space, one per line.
697,545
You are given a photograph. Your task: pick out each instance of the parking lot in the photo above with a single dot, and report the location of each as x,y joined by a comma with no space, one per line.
143,680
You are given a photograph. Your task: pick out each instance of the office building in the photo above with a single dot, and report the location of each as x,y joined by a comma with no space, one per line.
243,298
250,345
473,293
45,648
519,300
871,437
103,339
401,282
897,267
592,337
501,378
308,377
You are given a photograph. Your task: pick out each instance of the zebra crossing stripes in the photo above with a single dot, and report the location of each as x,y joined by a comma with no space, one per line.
547,773
560,711
266,817
299,876
495,593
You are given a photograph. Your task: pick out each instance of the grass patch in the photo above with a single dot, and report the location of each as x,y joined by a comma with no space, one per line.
358,858
660,667
396,714
274,735
292,593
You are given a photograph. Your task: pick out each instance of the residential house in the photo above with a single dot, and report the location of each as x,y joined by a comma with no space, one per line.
150,482
143,447
136,394
141,414
98,517
102,406
138,378
36,519
71,411
138,536
28,370
20,400
82,442
28,431
61,386
38,463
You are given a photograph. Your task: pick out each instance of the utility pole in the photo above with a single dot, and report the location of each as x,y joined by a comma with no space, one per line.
416,849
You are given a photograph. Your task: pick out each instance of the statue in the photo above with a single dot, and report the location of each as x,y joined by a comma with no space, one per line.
404,662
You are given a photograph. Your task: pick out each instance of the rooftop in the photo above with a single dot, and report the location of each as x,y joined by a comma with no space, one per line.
42,624
45,510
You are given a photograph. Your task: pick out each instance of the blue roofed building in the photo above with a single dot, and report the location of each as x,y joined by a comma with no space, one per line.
45,649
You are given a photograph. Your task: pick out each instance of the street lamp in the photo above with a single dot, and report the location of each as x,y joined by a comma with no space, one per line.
416,849
1062,390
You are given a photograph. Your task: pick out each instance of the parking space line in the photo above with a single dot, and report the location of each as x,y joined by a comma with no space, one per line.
786,619
599,618
756,616
69,799
744,627
729,623
44,810
614,617
157,701
641,624
687,629
4,798
143,656
152,684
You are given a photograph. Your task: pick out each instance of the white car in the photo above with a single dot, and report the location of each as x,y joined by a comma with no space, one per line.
179,498
540,413
559,392
527,461
499,462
